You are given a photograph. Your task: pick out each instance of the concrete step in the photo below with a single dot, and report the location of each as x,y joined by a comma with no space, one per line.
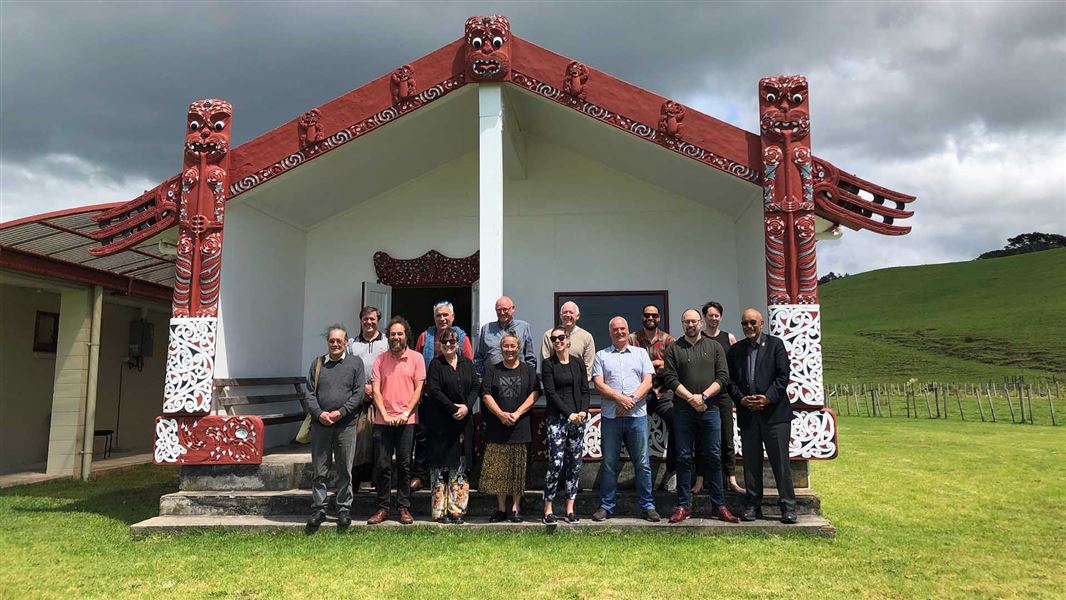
296,501
289,467
808,525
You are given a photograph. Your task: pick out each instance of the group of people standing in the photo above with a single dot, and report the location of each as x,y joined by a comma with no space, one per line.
422,400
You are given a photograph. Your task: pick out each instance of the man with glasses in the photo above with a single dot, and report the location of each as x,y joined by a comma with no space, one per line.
428,345
488,343
759,375
582,345
335,386
656,341
695,370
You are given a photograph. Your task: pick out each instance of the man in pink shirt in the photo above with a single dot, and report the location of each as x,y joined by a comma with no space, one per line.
396,379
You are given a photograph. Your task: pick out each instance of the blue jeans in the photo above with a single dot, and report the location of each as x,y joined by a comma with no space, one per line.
690,425
633,431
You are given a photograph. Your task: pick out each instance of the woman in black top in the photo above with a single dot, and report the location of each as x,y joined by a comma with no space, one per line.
566,387
452,391
508,393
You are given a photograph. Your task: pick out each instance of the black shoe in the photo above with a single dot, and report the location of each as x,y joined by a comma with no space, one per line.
750,514
317,518
550,519
498,517
788,517
572,518
515,518
456,519
651,516
444,519
601,515
344,519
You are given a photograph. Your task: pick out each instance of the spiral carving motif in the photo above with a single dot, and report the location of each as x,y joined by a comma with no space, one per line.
637,128
813,436
190,365
799,326
346,135
168,448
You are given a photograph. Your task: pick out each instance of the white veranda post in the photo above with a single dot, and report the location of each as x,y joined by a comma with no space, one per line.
490,198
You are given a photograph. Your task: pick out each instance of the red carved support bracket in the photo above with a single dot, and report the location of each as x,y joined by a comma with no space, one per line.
430,269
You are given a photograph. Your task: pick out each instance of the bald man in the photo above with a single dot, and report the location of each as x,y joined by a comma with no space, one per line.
488,344
759,375
581,343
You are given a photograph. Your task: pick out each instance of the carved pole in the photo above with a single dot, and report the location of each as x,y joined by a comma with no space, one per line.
187,433
788,211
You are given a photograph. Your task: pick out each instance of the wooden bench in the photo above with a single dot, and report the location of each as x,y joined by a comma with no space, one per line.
227,391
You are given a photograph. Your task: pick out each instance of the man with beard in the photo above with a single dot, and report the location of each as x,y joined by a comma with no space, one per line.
759,375
581,343
712,319
397,380
335,383
695,370
656,341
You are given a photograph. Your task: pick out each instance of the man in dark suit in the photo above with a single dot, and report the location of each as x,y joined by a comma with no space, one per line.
759,374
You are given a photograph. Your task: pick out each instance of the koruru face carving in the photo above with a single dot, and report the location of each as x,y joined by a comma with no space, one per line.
488,51
783,106
207,131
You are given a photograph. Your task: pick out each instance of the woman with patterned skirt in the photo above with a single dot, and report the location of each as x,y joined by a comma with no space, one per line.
508,392
566,388
452,390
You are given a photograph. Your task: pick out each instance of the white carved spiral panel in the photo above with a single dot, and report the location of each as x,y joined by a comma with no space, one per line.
190,365
799,326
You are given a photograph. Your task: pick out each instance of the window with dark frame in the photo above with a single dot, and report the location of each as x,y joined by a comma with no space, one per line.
46,332
598,308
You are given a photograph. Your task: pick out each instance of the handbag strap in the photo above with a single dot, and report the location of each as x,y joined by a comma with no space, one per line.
318,371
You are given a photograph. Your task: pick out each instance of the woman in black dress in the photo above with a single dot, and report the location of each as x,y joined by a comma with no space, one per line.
508,393
452,391
566,388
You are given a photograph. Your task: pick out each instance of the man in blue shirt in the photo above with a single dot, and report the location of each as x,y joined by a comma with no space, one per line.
622,375
488,344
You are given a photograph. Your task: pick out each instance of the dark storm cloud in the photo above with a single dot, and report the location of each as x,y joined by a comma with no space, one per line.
899,85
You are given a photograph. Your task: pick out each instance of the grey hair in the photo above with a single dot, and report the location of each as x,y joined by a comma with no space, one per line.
335,327
450,306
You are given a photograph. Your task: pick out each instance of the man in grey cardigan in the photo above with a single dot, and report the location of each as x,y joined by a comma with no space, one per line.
335,381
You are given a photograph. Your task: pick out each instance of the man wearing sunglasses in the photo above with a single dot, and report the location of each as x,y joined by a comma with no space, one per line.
759,375
656,341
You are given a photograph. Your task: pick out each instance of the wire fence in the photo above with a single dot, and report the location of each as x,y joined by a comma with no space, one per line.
1023,402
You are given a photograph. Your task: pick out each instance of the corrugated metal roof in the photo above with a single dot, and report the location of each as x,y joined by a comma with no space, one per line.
63,236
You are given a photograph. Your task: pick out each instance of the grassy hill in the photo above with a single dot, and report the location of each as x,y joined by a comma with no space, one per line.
956,322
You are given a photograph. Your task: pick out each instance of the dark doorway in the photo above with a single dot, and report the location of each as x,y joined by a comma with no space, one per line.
416,305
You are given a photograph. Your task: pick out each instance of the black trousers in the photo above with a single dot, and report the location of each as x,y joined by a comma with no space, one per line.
775,438
419,466
729,451
664,407
390,439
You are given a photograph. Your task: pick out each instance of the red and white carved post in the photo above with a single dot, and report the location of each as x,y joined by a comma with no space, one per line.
791,266
188,433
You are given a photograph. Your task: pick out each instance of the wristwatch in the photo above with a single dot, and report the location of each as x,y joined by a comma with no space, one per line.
703,397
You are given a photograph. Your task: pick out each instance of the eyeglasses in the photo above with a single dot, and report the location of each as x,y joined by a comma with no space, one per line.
449,342
557,338
748,323
651,315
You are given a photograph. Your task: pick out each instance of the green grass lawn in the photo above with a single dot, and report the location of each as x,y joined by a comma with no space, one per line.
923,509
956,322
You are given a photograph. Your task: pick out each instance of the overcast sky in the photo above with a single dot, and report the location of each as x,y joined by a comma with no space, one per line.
962,104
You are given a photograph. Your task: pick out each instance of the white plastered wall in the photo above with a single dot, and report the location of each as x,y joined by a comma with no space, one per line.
575,224
624,233
435,211
261,306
